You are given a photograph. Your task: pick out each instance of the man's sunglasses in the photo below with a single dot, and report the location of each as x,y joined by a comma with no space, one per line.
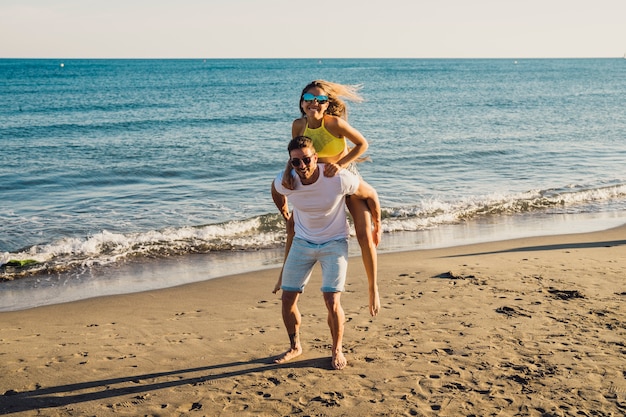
297,161
308,97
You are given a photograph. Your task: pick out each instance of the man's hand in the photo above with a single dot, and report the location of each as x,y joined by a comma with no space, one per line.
278,284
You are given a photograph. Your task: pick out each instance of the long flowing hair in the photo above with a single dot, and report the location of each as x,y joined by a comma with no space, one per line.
335,92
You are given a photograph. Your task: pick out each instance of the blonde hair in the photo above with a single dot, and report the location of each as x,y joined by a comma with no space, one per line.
335,92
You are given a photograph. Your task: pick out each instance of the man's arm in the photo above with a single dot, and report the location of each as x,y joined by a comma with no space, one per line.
281,202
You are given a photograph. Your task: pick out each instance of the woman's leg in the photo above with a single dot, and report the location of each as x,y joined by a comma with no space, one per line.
363,227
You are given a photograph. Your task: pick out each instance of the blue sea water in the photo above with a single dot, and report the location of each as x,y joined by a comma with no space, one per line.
107,162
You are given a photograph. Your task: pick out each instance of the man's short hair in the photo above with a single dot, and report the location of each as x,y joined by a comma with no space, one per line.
300,142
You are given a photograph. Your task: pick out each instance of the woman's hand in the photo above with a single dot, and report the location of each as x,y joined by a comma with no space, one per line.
377,233
330,169
289,182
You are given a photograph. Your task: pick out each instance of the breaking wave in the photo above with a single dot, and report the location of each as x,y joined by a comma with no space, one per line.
267,231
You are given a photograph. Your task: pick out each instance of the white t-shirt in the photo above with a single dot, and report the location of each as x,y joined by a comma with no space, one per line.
319,211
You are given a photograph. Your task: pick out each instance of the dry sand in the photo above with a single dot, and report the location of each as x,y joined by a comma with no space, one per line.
526,327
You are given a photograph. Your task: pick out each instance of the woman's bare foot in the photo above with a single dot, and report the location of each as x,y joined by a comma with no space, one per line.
374,303
289,355
339,361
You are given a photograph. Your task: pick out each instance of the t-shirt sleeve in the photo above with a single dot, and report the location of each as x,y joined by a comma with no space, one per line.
278,184
349,182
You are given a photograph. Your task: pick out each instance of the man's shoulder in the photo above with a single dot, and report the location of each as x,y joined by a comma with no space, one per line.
349,181
347,175
278,184
343,176
278,178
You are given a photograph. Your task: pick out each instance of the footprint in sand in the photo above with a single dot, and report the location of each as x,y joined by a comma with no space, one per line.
429,384
135,401
329,399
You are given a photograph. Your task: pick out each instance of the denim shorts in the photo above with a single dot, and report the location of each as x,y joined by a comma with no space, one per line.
303,255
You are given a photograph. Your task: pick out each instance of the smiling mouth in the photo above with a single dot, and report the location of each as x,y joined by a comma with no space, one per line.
303,172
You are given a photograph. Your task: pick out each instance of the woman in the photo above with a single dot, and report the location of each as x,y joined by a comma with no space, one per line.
324,120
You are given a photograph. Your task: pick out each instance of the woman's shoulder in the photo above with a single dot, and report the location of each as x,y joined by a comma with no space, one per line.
298,126
334,122
299,122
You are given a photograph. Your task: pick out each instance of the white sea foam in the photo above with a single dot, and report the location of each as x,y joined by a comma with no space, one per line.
262,232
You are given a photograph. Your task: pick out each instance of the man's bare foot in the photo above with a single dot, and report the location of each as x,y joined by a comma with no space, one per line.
289,355
339,361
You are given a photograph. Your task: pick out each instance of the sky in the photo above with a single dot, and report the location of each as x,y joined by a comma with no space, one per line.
312,29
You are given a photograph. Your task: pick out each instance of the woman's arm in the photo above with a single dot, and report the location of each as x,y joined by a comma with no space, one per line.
341,128
288,180
297,128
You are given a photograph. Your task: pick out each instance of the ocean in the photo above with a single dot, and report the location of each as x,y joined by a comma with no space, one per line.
125,175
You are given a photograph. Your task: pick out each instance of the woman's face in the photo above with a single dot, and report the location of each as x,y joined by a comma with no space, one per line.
314,102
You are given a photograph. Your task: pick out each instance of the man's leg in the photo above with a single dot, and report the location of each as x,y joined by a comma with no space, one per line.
292,320
334,262
336,320
295,275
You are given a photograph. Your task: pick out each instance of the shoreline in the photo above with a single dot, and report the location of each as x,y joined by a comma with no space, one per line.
152,274
530,326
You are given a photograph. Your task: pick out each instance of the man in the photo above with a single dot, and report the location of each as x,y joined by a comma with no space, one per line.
321,235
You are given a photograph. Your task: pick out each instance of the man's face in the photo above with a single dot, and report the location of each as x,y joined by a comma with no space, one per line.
304,161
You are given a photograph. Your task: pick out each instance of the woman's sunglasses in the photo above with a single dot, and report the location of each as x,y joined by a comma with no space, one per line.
308,97
297,161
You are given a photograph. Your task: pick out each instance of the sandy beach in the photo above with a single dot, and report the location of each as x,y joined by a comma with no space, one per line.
525,327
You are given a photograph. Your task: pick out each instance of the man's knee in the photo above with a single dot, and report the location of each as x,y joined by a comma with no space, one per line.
289,298
332,300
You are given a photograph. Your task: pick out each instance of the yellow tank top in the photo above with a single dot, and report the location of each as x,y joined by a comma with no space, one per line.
326,145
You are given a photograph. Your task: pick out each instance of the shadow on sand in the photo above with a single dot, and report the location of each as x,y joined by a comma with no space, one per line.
64,395
562,246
